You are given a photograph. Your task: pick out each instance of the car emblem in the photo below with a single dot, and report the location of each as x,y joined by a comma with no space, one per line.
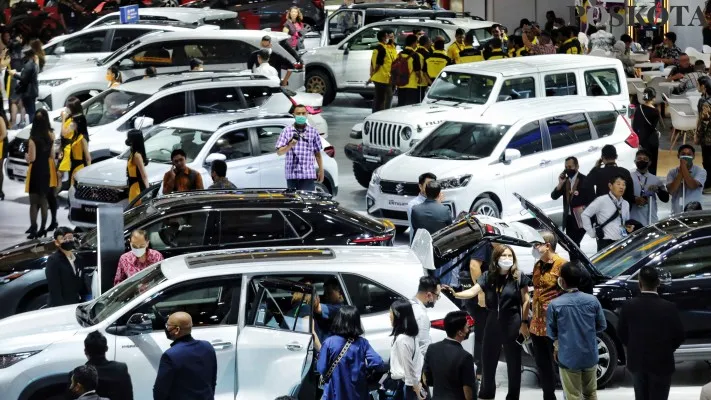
400,188
21,149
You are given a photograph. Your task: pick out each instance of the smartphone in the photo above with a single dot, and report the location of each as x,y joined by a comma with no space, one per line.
563,175
520,339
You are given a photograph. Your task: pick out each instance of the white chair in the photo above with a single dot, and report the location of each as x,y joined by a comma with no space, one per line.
634,83
598,53
696,55
676,100
682,122
639,58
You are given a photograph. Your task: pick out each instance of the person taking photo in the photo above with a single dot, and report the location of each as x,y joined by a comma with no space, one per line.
301,144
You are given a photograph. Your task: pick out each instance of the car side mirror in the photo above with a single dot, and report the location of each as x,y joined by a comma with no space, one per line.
60,50
511,154
126,63
346,48
142,122
138,324
213,157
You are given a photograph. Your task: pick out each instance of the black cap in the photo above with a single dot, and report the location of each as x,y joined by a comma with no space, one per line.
609,151
266,38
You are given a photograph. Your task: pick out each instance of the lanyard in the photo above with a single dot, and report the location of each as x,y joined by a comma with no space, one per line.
619,209
641,184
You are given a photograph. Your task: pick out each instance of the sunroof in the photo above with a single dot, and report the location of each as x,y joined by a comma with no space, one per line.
257,255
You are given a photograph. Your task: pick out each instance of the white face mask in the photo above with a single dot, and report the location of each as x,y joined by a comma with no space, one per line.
505,265
560,283
535,253
138,252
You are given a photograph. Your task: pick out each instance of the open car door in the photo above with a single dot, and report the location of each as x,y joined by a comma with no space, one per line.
340,24
145,196
274,349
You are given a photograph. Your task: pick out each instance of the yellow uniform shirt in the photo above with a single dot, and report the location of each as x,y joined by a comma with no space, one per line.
436,63
382,57
453,51
494,54
570,46
469,55
414,66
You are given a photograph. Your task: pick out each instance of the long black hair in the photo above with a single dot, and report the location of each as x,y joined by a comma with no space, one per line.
39,133
134,139
404,321
74,106
347,323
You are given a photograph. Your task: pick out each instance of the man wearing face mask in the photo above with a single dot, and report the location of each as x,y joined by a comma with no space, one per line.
647,188
136,260
571,186
428,293
685,182
607,168
302,146
66,286
188,369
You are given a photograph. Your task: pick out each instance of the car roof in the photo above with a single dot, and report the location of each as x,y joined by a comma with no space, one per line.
242,196
186,14
354,259
520,65
165,81
213,122
148,23
438,22
234,34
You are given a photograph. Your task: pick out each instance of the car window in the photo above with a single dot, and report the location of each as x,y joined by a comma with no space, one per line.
568,129
125,36
300,226
461,141
110,105
367,39
402,32
160,141
625,254
91,42
688,261
267,137
518,88
563,84
528,140
256,96
165,54
215,100
604,122
602,82
178,231
166,107
369,297
234,145
244,226
436,32
220,51
482,34
462,87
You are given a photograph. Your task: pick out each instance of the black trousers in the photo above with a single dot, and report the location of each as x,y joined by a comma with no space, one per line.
543,353
405,96
602,243
480,315
501,331
29,104
653,159
575,233
651,386
706,162
383,96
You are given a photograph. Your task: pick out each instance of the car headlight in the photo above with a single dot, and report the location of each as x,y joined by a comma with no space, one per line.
453,183
406,133
366,127
8,360
53,82
375,179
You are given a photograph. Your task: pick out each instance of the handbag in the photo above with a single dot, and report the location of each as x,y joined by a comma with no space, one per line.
323,379
389,387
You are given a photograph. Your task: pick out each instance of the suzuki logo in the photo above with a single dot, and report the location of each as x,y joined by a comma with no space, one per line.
400,188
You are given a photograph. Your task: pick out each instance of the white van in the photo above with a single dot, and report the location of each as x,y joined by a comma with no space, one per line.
476,86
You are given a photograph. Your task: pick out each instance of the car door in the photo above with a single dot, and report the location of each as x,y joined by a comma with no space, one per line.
212,303
606,82
262,227
77,48
354,60
183,232
274,350
243,169
271,165
340,24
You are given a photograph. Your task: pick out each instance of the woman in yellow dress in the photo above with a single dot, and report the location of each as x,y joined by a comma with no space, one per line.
136,165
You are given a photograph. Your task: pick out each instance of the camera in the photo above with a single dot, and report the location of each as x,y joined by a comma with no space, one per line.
297,136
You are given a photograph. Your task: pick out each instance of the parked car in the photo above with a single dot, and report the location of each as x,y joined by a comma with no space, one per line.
142,103
482,157
471,88
168,52
345,67
100,41
180,224
223,18
245,140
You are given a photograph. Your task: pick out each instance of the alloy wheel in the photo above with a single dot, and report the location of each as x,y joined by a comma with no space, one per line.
603,354
316,84
486,210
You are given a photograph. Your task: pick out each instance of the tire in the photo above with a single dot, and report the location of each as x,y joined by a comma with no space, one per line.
319,82
607,363
321,188
368,96
362,175
486,206
37,303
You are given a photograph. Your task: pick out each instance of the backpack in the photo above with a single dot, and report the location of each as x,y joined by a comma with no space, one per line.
400,71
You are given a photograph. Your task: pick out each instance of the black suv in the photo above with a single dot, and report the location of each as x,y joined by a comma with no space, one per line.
678,246
179,224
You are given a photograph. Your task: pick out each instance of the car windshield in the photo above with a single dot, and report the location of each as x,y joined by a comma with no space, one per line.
616,260
131,218
162,140
460,141
482,35
121,294
111,105
116,53
462,87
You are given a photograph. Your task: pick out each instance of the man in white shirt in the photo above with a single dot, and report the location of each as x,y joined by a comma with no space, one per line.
647,188
264,68
685,182
428,293
422,183
611,212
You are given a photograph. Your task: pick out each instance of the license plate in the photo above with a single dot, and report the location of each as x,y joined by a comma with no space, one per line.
373,159
89,209
19,170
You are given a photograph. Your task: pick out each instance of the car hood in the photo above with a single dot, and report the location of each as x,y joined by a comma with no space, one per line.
79,68
19,257
308,99
36,330
420,116
406,168
112,172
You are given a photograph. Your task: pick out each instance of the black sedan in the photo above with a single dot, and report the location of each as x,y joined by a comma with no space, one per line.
180,223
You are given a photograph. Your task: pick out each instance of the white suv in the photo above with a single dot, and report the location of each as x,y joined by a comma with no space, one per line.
195,16
239,301
204,138
345,67
169,52
481,159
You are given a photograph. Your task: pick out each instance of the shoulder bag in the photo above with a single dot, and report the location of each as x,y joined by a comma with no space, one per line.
656,131
390,388
323,380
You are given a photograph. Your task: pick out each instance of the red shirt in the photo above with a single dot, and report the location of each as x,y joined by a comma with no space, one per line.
129,264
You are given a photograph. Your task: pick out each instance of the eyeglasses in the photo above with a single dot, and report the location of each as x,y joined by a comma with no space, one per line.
436,295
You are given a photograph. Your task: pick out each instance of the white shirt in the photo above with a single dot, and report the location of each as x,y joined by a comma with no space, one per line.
641,181
423,324
603,208
405,360
72,258
267,70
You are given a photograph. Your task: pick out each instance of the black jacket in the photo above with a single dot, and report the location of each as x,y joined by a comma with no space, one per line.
27,85
645,125
65,286
114,379
430,216
583,198
448,367
187,371
599,178
651,329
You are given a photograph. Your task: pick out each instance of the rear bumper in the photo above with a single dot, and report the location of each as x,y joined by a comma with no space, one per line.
368,157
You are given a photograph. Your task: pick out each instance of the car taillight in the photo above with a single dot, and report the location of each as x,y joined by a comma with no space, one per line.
309,109
330,150
373,239
439,323
491,230
298,65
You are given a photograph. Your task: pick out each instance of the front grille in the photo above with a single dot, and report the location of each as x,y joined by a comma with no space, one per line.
17,148
396,215
100,194
407,189
384,134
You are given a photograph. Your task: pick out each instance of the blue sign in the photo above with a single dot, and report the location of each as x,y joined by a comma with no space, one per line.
128,14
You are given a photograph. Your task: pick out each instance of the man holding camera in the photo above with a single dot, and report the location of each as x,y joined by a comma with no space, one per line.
301,144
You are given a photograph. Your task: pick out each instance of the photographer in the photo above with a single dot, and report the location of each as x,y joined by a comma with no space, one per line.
647,188
302,145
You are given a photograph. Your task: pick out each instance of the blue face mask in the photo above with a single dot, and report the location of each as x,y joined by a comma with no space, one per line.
301,119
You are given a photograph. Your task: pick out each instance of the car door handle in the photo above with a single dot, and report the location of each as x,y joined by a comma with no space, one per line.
220,345
294,346
592,148
251,170
544,163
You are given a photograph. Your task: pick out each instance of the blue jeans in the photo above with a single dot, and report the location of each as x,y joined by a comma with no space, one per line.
308,185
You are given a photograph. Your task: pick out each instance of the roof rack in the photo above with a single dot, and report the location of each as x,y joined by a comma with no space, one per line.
253,193
237,72
214,79
431,18
259,116
256,255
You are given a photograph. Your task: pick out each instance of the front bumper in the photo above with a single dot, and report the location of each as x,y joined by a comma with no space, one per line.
394,207
369,157
83,212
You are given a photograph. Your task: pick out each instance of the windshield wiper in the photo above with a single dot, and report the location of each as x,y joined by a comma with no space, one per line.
467,157
433,154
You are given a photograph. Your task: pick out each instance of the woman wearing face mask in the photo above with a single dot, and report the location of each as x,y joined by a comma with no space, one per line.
645,121
507,302
136,260
703,127
113,76
136,165
406,360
